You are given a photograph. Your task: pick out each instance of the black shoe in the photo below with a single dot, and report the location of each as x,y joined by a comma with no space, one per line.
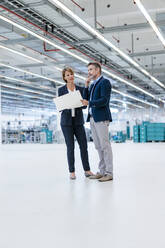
88,174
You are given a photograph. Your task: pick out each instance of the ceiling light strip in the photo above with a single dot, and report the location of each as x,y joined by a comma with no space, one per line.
151,22
23,95
115,105
135,98
19,53
31,73
24,82
128,83
27,90
18,100
126,102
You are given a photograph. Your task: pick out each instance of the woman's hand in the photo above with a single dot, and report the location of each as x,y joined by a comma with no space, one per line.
85,102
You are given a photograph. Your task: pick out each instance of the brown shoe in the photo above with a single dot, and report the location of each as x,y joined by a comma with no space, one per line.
97,176
106,178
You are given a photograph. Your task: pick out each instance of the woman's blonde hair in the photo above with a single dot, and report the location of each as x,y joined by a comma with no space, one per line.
69,69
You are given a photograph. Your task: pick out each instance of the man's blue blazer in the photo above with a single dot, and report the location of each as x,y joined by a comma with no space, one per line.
100,99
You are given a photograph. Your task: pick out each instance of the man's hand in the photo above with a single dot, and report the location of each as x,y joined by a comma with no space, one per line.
85,102
87,82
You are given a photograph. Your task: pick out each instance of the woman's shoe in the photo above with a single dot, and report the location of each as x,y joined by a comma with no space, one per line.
72,176
88,173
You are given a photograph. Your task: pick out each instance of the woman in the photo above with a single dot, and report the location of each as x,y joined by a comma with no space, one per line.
72,126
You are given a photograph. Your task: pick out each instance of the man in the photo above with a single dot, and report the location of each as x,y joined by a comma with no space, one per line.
97,97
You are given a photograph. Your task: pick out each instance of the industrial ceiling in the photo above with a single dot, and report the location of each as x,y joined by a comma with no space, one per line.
39,38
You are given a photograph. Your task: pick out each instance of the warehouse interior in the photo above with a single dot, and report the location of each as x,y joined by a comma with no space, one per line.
40,206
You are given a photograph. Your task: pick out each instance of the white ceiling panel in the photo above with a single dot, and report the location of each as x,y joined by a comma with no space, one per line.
81,34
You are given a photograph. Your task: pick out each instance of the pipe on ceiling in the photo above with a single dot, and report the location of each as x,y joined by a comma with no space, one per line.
82,9
100,24
118,41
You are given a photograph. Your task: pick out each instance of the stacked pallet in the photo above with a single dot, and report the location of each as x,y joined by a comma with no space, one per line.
148,132
156,132
136,133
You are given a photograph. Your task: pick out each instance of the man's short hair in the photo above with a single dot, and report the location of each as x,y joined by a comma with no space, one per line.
96,65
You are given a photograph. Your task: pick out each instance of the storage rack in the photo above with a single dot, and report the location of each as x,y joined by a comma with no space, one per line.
149,132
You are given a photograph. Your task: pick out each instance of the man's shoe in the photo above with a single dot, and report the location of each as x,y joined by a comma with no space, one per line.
97,176
106,178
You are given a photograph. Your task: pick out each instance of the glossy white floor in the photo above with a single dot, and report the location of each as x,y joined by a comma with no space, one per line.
41,208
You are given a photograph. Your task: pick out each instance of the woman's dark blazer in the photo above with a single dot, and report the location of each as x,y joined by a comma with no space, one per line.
66,116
